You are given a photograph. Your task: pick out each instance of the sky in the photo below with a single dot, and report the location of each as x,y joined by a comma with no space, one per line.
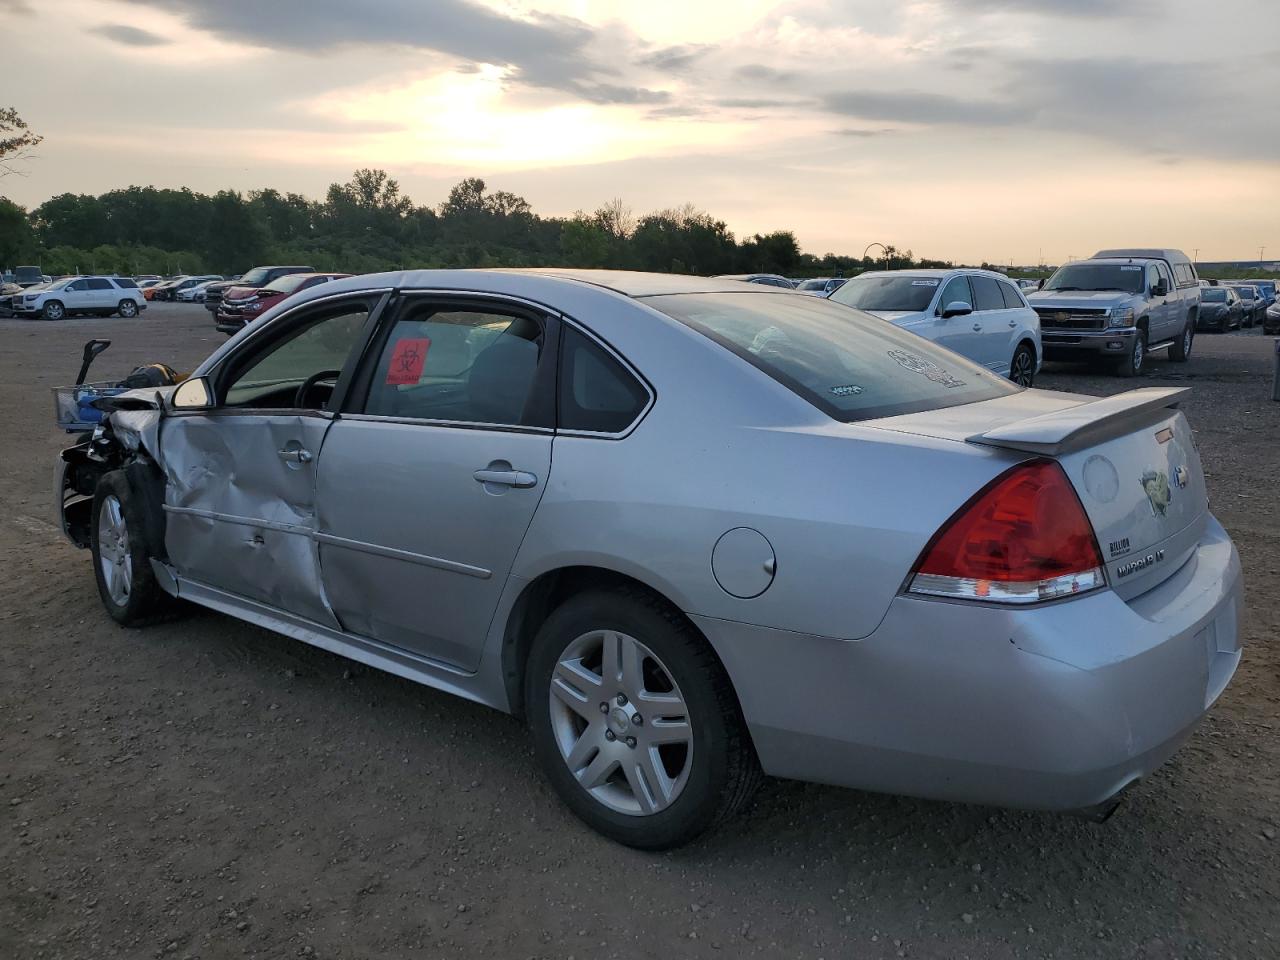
1011,131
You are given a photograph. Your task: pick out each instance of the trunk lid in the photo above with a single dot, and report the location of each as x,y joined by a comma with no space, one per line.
1131,458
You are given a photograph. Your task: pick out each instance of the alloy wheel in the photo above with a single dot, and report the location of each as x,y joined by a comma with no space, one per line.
1139,353
114,555
1023,369
621,723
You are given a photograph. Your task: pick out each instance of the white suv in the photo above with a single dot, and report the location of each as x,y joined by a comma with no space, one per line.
977,313
97,295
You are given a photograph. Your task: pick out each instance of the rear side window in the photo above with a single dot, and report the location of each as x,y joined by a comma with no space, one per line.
597,394
848,364
457,364
124,283
986,293
1011,299
97,283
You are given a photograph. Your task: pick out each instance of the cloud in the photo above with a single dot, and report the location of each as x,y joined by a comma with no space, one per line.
130,36
760,103
675,59
1081,9
14,7
758,71
541,50
863,132
932,109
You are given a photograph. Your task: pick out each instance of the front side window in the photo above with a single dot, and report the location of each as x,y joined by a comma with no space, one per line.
849,365
597,394
316,349
956,290
75,286
457,364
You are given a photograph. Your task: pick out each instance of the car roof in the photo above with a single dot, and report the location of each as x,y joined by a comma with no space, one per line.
934,273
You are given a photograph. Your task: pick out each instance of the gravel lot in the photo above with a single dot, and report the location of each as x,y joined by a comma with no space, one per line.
207,789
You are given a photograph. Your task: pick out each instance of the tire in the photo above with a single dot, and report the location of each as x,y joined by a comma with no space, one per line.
127,309
121,561
1180,350
53,310
1022,368
645,795
1136,359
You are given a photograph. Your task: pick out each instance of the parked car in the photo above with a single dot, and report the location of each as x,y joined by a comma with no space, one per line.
147,284
163,290
1122,304
1220,309
257,277
1267,288
935,583
1271,319
196,294
242,305
172,289
185,292
820,286
976,313
1252,303
94,295
28,276
768,279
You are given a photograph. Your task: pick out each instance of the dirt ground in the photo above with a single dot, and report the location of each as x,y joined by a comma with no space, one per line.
207,789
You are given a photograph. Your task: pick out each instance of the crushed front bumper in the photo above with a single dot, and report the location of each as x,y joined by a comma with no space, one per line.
1058,707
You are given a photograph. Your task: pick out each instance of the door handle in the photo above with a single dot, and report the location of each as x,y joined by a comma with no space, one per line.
295,455
506,478
1012,324
977,328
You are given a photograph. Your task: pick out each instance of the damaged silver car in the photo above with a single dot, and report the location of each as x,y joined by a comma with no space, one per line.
693,530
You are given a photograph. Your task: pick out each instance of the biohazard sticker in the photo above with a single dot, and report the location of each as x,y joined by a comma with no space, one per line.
407,360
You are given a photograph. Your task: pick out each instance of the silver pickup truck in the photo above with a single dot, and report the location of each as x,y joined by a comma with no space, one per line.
1120,303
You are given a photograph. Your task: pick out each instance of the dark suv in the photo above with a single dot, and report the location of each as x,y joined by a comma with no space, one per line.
257,277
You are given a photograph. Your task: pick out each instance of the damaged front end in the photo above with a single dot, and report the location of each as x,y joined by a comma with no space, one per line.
126,439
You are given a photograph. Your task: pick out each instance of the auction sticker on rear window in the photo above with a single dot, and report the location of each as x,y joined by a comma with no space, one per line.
926,368
407,360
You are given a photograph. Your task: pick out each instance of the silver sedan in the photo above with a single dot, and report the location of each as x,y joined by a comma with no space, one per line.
693,530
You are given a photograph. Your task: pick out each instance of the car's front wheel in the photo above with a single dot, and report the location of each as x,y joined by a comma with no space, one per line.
53,310
1133,362
634,720
121,563
127,309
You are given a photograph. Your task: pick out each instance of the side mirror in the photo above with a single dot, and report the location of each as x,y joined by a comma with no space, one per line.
1158,289
956,308
193,394
1040,284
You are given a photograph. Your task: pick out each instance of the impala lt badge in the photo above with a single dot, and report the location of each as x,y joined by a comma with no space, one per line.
1139,563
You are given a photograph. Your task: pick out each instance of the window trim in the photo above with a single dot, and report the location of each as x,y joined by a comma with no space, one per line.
608,348
376,300
545,377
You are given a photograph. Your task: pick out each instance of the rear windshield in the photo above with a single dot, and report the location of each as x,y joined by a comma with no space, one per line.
1213,296
1125,277
887,293
848,364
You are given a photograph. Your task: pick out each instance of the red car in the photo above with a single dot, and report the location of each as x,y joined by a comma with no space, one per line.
242,305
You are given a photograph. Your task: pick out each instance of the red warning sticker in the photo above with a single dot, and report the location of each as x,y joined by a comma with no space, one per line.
407,360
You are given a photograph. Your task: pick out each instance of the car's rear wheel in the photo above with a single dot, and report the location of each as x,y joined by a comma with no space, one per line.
1022,369
127,309
1133,362
634,720
53,310
121,563
1180,351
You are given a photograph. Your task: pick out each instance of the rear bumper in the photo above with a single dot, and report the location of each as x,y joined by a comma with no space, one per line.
1057,708
1118,341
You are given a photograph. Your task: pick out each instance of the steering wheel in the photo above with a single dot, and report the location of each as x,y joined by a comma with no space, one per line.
300,398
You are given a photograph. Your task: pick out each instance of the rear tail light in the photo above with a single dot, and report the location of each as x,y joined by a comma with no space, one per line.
1022,539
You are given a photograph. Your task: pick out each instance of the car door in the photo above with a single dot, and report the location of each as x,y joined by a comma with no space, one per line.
453,414
1158,313
76,296
989,334
240,494
1015,320
954,333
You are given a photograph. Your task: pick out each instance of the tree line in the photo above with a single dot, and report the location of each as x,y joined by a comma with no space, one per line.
367,224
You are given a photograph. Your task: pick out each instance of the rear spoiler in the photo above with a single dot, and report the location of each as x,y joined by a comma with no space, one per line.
1060,432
